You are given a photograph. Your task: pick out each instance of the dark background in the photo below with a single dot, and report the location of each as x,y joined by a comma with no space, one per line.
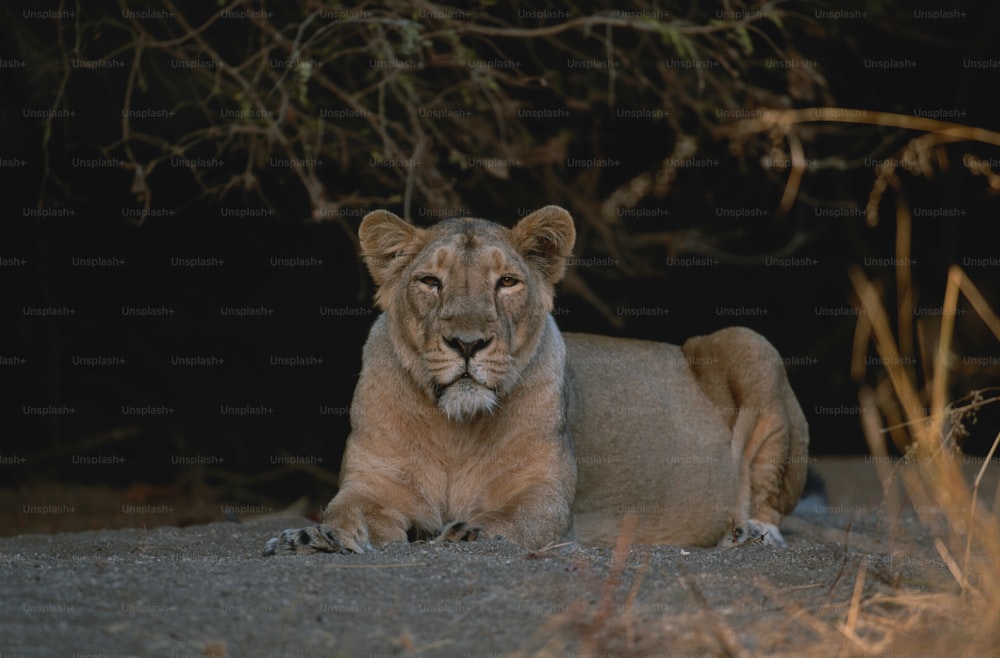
67,420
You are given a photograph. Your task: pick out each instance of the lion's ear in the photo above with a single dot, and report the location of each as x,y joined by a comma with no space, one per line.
388,243
545,239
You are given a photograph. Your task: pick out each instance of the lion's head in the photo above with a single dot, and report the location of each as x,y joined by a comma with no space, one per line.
467,300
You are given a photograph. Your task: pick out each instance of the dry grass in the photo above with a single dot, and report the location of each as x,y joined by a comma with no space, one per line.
965,618
961,617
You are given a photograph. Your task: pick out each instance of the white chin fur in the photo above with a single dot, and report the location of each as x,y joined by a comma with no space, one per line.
463,400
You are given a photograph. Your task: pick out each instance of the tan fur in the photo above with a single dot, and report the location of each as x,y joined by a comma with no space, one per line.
474,417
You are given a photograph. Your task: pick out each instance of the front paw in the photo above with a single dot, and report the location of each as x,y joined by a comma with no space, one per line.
314,539
461,531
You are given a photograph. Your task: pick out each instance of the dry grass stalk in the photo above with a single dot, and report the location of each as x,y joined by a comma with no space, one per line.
827,636
728,641
579,619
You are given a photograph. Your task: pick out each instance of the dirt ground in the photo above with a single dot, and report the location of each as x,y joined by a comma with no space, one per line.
207,590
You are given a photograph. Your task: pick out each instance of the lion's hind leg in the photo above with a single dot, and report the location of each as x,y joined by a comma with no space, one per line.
745,377
759,445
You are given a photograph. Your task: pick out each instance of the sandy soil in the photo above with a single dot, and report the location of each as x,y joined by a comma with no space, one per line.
207,590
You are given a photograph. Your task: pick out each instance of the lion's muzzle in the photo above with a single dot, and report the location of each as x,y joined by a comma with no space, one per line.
467,392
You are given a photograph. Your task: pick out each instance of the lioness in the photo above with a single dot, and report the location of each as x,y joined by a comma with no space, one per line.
474,417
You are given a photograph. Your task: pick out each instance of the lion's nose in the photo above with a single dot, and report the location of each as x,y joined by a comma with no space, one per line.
467,348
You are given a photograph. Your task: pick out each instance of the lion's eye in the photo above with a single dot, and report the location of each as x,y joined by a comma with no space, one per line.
430,281
507,282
